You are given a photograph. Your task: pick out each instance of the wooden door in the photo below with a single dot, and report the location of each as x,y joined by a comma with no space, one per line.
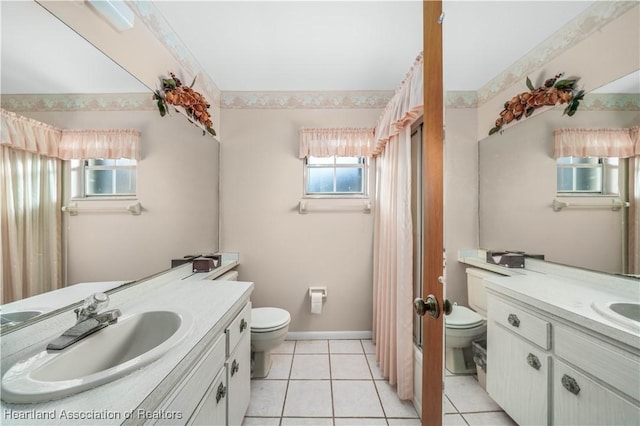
432,330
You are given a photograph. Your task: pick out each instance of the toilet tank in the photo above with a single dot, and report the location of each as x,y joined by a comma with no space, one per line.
476,290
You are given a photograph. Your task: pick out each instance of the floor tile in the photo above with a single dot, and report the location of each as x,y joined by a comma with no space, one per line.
453,420
467,396
404,422
360,422
448,406
356,398
345,347
312,347
267,398
308,398
392,405
309,421
373,365
369,347
352,367
497,418
286,347
310,367
280,367
261,421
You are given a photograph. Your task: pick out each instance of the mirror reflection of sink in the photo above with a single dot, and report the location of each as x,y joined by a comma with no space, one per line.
624,313
131,343
18,316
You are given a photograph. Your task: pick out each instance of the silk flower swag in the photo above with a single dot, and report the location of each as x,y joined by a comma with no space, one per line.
552,92
196,107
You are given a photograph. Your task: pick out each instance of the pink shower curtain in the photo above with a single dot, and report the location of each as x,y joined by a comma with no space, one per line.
393,246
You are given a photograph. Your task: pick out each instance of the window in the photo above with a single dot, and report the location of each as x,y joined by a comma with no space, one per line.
587,175
335,176
103,178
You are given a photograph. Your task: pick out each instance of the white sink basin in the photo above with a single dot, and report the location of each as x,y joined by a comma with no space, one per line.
131,343
19,316
626,314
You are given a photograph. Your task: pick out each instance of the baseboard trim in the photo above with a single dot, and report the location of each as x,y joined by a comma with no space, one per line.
326,335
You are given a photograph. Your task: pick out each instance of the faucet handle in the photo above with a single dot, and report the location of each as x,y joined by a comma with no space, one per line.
92,305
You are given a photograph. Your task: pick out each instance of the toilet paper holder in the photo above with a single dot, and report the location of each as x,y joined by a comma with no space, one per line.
322,290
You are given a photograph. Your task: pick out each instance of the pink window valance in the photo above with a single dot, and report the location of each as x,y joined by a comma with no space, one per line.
26,134
339,142
406,106
620,143
109,143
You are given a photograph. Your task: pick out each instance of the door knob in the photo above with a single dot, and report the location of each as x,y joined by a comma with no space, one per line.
428,305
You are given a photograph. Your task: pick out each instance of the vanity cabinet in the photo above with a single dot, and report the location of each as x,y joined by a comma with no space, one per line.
542,369
216,390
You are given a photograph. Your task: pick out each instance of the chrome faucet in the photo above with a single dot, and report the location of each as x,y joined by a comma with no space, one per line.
88,321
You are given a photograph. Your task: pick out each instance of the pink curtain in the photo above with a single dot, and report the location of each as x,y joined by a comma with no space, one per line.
22,133
393,246
634,204
339,142
594,143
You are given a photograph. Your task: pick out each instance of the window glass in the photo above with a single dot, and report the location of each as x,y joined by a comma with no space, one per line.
587,175
103,178
335,176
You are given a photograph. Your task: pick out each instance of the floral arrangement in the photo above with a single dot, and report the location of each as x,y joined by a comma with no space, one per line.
552,92
175,93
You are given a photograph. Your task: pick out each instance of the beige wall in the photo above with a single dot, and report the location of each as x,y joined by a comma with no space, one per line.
460,196
282,251
177,187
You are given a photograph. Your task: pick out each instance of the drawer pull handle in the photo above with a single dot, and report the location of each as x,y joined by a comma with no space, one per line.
221,393
514,320
243,325
570,384
533,361
235,366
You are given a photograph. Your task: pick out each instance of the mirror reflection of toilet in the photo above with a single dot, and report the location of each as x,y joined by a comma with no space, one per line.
465,325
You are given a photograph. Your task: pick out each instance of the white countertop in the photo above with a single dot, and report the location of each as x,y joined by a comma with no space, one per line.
211,303
567,300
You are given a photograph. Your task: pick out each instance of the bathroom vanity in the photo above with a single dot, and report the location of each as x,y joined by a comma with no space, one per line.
203,379
555,355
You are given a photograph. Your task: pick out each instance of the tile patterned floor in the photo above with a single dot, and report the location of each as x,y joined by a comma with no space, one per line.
337,383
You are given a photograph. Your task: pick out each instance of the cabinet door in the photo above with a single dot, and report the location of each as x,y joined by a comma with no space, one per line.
212,410
517,376
239,378
578,400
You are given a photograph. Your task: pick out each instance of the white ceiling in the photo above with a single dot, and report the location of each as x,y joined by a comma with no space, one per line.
288,45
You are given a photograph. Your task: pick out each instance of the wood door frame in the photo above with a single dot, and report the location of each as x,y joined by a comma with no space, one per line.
432,204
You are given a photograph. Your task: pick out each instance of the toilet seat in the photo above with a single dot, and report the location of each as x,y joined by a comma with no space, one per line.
265,320
462,317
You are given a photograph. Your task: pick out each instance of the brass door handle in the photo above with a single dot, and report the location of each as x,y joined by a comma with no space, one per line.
428,305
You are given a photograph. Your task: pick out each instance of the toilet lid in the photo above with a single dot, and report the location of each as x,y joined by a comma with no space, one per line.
269,318
462,317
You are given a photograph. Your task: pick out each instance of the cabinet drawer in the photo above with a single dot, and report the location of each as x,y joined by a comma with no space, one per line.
520,322
613,366
240,326
186,397
581,401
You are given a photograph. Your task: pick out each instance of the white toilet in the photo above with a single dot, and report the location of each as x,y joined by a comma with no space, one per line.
269,327
464,325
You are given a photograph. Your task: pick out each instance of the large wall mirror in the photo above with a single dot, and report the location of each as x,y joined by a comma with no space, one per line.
518,188
41,55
